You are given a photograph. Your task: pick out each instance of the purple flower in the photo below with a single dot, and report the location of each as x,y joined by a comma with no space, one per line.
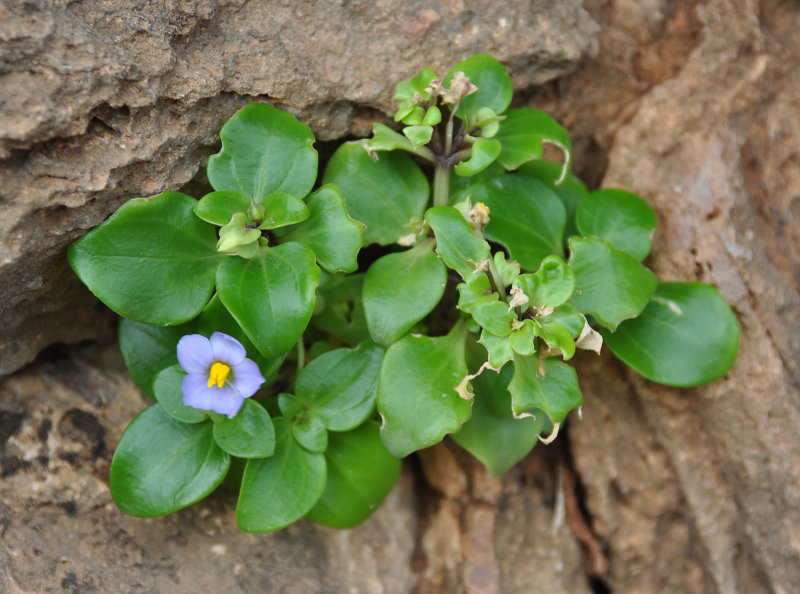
218,375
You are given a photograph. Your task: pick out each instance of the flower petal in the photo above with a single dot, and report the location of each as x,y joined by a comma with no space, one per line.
196,392
226,402
227,349
247,378
195,354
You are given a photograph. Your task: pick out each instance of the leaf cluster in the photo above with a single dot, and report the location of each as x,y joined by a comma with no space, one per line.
491,266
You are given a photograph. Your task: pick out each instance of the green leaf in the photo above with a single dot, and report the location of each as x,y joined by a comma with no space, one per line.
282,209
609,284
250,434
386,195
217,208
416,391
494,85
310,432
523,134
400,289
498,348
418,135
475,291
279,490
340,386
271,296
623,219
566,315
551,285
556,392
506,271
571,190
264,150
148,349
525,216
161,465
521,339
495,317
413,118
456,242
484,152
361,472
498,442
386,139
686,336
169,394
329,232
461,187
342,309
556,336
153,261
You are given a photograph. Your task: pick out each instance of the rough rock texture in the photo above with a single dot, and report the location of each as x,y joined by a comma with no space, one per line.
698,490
691,103
101,102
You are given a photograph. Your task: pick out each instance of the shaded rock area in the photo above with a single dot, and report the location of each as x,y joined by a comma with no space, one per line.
692,104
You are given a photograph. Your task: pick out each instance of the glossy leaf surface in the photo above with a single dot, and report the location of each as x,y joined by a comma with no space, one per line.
161,465
153,261
686,336
271,296
385,195
340,386
310,432
279,490
609,284
484,152
169,394
523,134
250,434
525,216
623,219
456,242
264,150
361,472
217,208
329,231
571,190
148,349
551,285
282,209
400,289
556,392
416,391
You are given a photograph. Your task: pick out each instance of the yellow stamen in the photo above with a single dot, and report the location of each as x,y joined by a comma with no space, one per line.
218,374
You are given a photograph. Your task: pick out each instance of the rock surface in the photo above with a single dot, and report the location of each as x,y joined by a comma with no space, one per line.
697,490
690,103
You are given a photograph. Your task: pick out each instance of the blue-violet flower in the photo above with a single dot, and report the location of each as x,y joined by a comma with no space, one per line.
218,375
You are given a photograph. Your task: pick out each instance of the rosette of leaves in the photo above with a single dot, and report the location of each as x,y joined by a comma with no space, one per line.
483,277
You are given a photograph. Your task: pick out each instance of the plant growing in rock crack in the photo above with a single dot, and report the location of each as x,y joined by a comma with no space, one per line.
293,371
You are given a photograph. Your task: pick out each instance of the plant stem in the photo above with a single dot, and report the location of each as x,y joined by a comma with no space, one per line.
301,354
441,184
